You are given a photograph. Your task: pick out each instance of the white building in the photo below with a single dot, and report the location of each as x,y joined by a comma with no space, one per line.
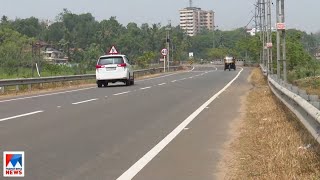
54,56
193,20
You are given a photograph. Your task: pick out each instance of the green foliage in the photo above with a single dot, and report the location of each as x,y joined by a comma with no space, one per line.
218,53
144,60
14,51
83,40
249,46
30,27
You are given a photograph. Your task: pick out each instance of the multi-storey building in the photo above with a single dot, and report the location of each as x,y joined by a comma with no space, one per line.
193,20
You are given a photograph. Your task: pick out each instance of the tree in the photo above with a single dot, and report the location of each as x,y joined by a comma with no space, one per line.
144,60
55,32
4,19
15,51
30,27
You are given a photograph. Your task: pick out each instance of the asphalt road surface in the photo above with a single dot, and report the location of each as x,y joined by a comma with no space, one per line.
169,127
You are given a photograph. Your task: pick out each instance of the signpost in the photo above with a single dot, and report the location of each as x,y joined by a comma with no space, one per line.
269,45
113,50
164,53
281,26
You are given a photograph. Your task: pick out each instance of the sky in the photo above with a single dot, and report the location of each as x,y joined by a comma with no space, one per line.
229,14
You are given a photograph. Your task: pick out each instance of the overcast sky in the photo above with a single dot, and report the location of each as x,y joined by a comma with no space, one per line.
230,14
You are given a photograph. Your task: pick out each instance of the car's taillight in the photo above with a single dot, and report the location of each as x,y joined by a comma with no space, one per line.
122,65
99,66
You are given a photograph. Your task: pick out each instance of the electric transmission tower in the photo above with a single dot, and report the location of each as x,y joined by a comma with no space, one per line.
263,23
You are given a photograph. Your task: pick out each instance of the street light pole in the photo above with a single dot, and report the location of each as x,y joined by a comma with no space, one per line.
278,39
284,44
269,37
168,45
213,29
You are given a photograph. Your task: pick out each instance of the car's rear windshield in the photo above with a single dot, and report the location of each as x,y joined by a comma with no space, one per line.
110,60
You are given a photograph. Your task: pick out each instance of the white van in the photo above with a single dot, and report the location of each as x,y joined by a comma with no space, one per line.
112,69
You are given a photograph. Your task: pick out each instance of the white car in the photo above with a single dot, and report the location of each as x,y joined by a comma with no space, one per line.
112,69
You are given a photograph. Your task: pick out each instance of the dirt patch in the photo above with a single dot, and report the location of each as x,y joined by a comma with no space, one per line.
270,142
227,155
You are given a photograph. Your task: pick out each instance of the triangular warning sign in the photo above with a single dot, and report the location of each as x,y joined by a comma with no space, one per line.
113,50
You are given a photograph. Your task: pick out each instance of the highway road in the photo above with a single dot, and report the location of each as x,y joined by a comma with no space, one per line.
169,127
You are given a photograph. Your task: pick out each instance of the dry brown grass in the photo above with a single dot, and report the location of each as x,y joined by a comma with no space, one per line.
269,140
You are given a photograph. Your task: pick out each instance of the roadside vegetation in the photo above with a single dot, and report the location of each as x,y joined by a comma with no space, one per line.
272,143
83,39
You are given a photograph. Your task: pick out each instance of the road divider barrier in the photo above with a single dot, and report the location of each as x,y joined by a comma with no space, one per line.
5,83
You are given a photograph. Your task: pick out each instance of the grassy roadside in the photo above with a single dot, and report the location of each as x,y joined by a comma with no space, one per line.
272,143
311,85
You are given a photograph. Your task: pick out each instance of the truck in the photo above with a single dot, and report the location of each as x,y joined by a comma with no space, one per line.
229,63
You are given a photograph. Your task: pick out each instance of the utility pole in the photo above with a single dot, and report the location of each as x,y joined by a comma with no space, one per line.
256,18
269,37
168,43
284,56
213,42
278,40
190,3
263,13
259,5
281,40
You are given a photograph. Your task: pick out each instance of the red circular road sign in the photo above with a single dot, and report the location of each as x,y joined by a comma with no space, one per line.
164,52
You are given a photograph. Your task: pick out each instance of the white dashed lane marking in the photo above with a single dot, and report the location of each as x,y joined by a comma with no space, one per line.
81,102
21,115
122,93
162,84
145,88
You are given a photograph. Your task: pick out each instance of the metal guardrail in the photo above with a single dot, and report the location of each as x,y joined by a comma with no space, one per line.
305,107
30,81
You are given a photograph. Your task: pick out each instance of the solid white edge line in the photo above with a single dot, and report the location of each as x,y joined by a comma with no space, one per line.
142,162
122,93
145,88
21,115
162,84
192,69
81,102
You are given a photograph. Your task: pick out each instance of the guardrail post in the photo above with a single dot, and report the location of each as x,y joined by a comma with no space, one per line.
316,104
2,89
17,88
295,89
313,98
302,92
29,87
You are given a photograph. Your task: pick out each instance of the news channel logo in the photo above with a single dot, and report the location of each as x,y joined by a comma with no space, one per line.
13,164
